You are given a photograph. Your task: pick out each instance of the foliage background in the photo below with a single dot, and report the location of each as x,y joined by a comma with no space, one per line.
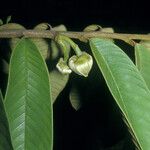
98,124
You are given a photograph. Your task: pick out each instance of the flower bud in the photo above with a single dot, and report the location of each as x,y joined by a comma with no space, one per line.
81,64
62,67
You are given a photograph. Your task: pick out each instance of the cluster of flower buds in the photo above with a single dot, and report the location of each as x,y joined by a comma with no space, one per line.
79,64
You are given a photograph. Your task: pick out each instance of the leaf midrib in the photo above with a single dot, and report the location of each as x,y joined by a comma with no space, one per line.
26,88
119,92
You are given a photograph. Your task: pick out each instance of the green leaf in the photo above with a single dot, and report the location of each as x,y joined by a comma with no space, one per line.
127,87
142,55
58,83
74,97
43,46
5,142
41,43
28,101
15,26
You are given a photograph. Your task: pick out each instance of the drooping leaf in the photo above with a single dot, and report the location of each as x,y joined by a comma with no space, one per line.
58,82
142,55
74,97
5,142
28,100
41,43
15,26
127,87
43,46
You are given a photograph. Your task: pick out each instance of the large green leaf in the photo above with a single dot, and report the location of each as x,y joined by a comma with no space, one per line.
5,142
127,87
28,102
142,55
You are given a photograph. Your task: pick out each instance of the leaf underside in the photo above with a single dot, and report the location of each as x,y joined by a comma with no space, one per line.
43,46
127,87
58,83
28,101
74,97
13,26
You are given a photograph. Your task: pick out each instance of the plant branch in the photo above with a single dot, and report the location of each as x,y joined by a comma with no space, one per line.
74,35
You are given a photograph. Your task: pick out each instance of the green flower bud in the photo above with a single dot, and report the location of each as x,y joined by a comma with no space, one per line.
62,67
81,64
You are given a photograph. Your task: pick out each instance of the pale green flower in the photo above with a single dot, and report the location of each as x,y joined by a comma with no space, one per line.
81,64
62,67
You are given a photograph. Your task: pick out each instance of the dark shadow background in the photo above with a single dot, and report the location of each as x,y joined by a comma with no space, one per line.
98,124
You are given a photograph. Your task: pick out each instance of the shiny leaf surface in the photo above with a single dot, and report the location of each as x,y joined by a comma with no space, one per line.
127,87
28,101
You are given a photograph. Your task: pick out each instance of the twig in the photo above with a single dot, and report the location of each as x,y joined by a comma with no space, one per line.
74,35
